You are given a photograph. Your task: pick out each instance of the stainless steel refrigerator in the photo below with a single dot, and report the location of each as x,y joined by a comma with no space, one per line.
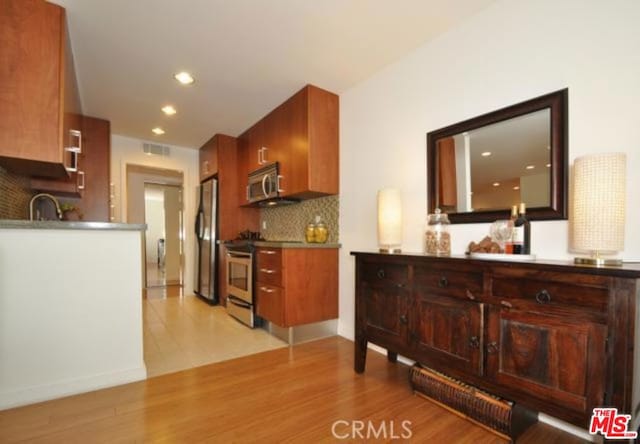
206,237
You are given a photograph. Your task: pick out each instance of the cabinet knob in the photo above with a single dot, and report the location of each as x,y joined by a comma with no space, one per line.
492,347
443,282
403,319
474,342
380,273
543,297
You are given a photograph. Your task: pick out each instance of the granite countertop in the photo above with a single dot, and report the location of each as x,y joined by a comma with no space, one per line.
68,225
293,244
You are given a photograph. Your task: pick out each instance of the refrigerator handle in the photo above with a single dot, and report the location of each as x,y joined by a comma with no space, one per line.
199,226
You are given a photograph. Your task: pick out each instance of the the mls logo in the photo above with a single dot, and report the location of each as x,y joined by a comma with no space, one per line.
610,424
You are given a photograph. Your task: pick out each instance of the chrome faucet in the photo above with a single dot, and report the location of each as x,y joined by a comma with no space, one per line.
48,196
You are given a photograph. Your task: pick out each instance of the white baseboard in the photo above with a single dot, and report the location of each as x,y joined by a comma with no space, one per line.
60,389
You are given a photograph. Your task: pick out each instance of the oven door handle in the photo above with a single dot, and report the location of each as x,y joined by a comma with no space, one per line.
238,255
239,302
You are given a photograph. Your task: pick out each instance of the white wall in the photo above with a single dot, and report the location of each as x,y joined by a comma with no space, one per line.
126,150
70,312
512,51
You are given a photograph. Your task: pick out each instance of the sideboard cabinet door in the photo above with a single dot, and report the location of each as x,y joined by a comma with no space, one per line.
386,315
447,332
557,361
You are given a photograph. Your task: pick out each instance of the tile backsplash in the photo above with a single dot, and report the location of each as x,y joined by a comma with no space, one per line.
287,223
15,194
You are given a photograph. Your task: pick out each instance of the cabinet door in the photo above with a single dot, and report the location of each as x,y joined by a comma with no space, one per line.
555,359
446,332
289,144
208,155
385,314
255,142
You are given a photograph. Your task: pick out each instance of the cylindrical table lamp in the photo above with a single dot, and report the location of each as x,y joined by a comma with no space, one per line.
599,207
389,220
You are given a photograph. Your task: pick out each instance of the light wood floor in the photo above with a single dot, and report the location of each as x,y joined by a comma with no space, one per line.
285,395
182,332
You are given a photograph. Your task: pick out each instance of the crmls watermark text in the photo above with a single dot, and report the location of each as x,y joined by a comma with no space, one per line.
357,429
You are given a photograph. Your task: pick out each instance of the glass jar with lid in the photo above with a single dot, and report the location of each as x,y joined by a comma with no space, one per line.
437,239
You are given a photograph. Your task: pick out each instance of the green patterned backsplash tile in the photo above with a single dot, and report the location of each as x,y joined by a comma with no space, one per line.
287,223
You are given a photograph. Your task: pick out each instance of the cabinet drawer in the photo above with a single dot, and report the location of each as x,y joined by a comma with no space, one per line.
269,275
270,303
269,257
269,266
448,281
554,289
381,273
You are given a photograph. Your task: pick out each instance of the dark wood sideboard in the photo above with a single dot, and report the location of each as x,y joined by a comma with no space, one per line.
552,336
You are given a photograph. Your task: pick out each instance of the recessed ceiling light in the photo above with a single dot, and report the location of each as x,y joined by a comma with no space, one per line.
548,165
184,77
516,187
530,167
169,110
496,184
158,131
486,154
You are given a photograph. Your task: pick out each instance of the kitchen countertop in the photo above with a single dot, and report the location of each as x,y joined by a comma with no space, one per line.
68,225
293,244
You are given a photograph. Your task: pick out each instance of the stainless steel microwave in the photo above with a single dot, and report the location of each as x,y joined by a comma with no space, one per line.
264,187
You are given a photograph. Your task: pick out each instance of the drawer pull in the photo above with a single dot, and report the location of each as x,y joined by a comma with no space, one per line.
474,342
267,270
492,347
267,290
443,282
267,252
403,319
543,297
380,273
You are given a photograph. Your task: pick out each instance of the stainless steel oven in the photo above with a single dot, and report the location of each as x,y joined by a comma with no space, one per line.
240,285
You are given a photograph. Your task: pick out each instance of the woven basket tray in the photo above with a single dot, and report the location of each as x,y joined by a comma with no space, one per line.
497,415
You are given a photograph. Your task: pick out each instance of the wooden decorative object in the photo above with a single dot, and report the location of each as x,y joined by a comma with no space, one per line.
499,416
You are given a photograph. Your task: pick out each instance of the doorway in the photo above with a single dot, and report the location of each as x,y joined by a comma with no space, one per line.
163,240
155,198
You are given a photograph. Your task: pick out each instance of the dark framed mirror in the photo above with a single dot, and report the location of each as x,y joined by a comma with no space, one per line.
479,168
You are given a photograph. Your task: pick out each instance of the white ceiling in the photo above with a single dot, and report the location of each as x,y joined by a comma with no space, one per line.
247,55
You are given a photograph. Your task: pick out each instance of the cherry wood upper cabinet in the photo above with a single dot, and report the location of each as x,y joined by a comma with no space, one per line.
302,136
39,100
208,156
89,186
222,154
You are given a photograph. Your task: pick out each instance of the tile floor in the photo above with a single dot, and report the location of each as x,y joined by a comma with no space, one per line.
182,332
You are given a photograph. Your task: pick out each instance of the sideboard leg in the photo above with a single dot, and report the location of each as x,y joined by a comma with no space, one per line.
360,355
391,356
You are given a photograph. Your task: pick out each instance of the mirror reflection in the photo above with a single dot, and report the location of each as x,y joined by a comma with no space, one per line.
496,166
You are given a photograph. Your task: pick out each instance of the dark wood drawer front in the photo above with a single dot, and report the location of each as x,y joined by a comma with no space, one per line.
551,294
449,282
389,274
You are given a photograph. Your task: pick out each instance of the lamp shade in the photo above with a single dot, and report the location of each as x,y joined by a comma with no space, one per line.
389,219
599,203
